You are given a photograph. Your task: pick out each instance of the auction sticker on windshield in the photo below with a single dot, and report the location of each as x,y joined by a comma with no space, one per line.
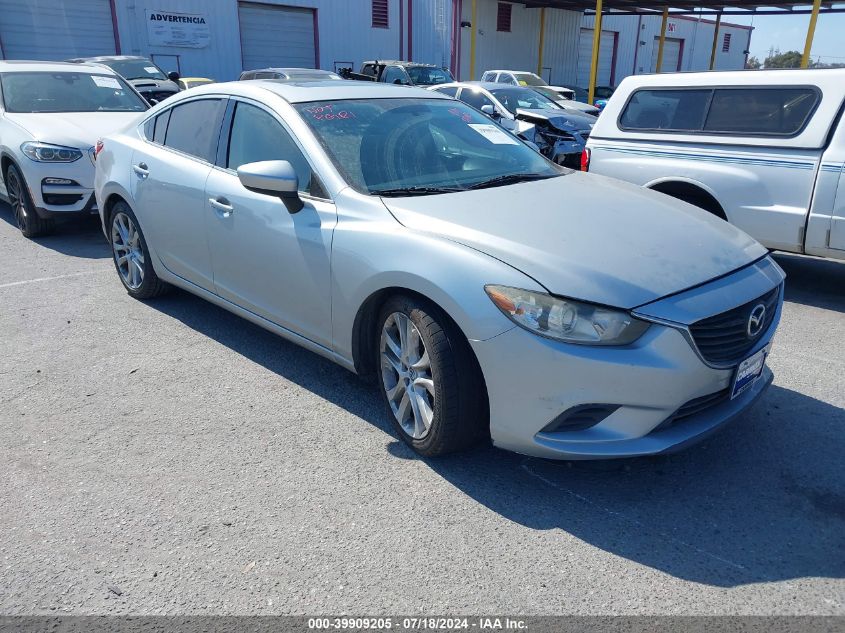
748,372
106,82
494,134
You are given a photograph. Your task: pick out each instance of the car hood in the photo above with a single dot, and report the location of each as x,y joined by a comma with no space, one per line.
154,85
73,129
587,237
567,121
586,108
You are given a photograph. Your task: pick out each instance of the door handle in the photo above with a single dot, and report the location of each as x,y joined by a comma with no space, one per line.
222,206
141,170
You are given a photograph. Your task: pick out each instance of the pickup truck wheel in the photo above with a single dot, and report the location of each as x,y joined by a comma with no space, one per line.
28,221
429,380
130,254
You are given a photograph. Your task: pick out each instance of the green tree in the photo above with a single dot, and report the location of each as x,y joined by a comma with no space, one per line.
753,63
789,59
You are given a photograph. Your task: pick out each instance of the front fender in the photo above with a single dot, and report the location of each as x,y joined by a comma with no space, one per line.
389,256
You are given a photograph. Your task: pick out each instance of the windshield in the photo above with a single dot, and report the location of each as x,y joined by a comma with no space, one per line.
513,98
387,146
529,79
429,76
135,68
548,92
68,92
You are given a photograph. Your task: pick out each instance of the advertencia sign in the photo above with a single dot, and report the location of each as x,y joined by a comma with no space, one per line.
189,30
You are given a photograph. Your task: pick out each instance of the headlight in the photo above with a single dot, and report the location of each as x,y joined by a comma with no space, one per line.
46,153
566,320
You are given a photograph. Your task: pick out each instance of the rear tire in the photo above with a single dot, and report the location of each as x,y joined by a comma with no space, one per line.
131,256
429,379
26,217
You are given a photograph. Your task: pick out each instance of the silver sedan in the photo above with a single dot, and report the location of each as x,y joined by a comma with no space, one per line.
490,293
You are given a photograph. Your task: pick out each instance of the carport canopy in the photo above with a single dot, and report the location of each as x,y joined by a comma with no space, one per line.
685,7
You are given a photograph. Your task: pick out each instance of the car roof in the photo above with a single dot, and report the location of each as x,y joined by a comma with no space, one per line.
274,69
484,85
22,65
399,62
109,58
796,76
294,92
521,72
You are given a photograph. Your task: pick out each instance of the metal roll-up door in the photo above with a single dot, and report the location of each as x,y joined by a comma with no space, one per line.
275,36
585,57
671,55
56,29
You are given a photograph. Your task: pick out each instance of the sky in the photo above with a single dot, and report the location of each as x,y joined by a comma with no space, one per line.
788,32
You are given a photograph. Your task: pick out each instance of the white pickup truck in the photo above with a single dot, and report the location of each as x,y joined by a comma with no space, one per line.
762,149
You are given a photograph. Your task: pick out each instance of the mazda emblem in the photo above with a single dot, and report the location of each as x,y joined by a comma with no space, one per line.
755,320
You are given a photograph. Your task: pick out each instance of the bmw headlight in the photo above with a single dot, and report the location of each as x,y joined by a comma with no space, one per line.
566,320
46,153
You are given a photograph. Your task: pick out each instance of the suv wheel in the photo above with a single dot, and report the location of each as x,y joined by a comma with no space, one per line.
28,221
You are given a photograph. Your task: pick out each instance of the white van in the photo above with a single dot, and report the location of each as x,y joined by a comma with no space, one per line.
762,149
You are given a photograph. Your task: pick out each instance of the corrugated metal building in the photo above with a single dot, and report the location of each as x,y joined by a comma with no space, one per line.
220,38
629,46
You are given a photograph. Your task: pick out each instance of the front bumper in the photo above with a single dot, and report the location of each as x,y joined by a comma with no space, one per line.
656,395
52,201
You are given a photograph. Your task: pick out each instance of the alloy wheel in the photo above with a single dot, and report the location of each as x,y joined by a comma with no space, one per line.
406,375
16,199
128,254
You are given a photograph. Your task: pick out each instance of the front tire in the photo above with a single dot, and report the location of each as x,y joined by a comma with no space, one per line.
130,255
27,219
429,379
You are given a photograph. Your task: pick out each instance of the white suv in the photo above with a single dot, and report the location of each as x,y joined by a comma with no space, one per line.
51,115
531,80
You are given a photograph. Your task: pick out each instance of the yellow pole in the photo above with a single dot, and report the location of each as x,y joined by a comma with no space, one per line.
542,41
472,40
811,31
715,41
594,65
662,40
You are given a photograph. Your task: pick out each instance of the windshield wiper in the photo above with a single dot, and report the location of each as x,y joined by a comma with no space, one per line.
509,179
414,191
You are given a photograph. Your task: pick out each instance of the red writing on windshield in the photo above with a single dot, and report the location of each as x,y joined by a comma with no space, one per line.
328,113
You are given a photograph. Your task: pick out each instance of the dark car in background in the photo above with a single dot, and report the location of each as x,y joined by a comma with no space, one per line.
401,73
151,81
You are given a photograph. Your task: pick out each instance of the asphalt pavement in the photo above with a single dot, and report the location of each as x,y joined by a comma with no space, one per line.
170,458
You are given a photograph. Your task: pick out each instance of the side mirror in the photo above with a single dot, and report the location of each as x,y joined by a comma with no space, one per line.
153,102
173,76
273,178
490,111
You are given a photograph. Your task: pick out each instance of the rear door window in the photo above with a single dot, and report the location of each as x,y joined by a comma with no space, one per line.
160,128
768,111
676,110
744,111
194,128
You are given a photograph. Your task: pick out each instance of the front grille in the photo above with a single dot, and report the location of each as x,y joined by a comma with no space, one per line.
723,339
694,407
157,95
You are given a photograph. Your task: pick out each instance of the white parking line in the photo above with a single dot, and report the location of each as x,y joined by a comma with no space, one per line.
41,279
